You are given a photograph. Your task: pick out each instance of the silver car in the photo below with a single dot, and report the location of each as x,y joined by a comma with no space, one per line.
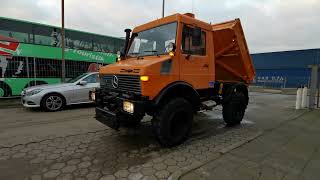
56,96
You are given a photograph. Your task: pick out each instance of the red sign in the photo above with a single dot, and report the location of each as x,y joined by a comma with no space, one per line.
9,44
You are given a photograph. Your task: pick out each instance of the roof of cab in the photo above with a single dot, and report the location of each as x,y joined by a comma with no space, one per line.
175,17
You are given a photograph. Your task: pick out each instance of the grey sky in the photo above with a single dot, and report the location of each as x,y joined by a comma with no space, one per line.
269,25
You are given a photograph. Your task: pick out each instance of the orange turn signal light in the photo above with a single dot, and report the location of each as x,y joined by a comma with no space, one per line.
144,78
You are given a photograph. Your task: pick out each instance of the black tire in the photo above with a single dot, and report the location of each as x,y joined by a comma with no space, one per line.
59,99
6,90
234,108
172,123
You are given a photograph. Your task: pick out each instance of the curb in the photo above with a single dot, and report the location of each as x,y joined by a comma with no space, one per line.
10,103
240,143
176,175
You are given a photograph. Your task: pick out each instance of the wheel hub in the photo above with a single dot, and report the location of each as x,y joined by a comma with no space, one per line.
54,102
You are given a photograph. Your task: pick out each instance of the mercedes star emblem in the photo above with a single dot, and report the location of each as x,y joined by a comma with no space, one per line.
115,81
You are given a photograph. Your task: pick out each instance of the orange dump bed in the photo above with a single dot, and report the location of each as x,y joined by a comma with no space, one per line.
233,60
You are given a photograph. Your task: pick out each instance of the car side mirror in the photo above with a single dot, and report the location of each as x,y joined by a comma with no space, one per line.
196,36
83,83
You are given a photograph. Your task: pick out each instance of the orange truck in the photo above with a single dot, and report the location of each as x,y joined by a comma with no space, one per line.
172,68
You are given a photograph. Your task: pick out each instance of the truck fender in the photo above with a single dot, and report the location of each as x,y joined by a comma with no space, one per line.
179,89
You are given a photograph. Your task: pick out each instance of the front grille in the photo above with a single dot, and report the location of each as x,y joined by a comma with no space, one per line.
127,83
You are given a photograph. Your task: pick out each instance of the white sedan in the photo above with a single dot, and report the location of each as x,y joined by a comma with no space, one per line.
56,96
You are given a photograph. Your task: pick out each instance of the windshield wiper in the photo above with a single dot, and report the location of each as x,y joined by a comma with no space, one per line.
153,51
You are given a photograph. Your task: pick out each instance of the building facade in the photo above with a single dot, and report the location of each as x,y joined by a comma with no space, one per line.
286,69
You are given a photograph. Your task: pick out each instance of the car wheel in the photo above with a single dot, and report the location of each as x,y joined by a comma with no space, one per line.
53,102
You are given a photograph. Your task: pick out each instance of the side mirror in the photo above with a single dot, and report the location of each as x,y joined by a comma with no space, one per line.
83,83
196,36
120,56
171,47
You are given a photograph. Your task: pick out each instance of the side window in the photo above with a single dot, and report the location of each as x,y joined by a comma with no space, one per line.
92,78
188,47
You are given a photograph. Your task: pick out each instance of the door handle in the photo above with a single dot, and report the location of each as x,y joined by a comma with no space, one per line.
206,65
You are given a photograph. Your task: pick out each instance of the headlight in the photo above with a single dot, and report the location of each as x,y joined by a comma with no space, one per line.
23,93
33,92
128,107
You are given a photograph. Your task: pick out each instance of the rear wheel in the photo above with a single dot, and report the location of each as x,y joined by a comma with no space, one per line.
5,90
172,123
2,93
234,108
53,102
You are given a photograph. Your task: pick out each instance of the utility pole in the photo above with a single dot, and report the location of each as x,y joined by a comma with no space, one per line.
163,1
192,7
63,64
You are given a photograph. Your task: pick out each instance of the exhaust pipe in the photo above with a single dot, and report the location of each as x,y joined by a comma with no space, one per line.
127,31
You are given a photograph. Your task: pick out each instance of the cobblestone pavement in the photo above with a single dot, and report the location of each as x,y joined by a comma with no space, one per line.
107,154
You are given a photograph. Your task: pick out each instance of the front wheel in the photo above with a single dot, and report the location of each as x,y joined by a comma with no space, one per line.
233,110
172,123
53,102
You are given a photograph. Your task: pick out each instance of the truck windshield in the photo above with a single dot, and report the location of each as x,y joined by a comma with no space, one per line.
153,41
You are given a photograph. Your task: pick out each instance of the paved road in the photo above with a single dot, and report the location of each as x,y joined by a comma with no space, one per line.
71,144
290,151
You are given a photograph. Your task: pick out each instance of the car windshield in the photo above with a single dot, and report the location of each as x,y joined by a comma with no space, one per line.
153,41
77,78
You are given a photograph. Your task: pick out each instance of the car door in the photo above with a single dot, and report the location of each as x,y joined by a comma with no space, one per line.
194,60
81,92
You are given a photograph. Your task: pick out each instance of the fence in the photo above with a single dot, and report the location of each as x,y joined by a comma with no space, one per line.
279,82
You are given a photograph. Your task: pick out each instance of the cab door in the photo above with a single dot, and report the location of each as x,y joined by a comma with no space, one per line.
194,59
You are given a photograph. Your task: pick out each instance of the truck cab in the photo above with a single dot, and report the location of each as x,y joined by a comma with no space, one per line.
171,68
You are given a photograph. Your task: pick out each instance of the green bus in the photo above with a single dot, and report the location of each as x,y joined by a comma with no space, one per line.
30,54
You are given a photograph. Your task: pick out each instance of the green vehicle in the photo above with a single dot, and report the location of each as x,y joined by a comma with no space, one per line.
30,54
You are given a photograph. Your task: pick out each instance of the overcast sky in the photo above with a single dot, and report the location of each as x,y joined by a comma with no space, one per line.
269,25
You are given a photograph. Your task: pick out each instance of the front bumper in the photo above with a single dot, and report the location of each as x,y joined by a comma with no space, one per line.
107,117
30,101
109,108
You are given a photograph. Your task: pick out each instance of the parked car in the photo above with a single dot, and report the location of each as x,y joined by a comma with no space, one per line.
56,96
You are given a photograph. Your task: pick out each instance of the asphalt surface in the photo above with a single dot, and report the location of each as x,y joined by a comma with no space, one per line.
71,144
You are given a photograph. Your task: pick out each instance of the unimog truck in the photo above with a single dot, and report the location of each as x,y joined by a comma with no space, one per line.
170,69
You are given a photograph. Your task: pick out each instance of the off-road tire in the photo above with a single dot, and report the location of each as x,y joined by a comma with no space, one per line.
172,122
44,106
234,108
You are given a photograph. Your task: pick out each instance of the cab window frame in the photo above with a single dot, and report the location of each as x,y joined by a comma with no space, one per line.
191,50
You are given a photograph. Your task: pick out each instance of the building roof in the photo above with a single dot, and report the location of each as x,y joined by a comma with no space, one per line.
286,59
